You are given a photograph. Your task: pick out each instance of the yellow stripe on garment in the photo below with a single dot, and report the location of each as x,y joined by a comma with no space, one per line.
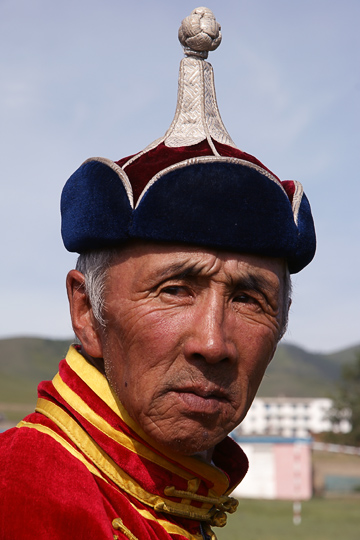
104,462
121,438
64,443
167,525
100,386
171,528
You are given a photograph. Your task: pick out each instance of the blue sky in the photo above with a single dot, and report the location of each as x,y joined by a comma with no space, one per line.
99,78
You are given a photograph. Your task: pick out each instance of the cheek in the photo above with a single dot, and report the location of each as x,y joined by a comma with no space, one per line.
158,334
141,351
255,354
145,324
260,340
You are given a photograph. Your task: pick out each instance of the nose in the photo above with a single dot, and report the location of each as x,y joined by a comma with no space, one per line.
210,336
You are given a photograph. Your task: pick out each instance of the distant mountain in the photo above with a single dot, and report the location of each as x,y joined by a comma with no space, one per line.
294,372
26,361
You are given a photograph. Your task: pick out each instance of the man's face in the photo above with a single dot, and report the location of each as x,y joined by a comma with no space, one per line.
189,334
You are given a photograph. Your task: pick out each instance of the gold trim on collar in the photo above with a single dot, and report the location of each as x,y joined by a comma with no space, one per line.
118,436
170,527
212,511
65,444
100,386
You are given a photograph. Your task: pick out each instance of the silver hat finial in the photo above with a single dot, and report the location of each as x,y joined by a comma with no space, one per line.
200,33
197,117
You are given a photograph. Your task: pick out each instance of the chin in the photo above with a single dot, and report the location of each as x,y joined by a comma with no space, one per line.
200,442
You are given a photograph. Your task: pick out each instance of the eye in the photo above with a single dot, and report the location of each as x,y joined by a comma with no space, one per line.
176,293
173,290
244,298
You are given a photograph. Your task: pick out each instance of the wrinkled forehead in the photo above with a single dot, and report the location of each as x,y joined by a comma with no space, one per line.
166,260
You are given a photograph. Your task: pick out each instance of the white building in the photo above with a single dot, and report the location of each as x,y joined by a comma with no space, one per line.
289,417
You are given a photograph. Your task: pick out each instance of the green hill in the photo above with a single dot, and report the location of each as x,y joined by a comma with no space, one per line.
295,372
25,361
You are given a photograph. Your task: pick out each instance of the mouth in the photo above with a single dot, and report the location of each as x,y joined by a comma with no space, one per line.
201,400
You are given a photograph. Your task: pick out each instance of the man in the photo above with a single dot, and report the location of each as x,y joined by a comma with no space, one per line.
180,296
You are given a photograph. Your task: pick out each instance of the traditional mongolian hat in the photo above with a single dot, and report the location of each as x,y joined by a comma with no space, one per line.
193,185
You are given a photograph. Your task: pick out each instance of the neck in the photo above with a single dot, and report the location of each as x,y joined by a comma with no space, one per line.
98,363
205,455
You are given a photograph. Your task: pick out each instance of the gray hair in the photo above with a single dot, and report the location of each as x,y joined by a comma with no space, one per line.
94,266
287,299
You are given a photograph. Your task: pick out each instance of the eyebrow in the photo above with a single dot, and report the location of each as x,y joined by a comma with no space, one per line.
187,269
250,282
181,270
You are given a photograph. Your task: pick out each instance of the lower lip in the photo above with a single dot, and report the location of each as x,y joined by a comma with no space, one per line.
201,405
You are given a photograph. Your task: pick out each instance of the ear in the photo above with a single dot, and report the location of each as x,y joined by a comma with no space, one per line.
83,321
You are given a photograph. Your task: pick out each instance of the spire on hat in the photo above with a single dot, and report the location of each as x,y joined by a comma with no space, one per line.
197,116
197,128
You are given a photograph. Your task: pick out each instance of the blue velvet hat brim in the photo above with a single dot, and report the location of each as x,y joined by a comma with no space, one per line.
95,208
224,205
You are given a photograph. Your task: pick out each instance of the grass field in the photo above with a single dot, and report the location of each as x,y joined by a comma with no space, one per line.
322,519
